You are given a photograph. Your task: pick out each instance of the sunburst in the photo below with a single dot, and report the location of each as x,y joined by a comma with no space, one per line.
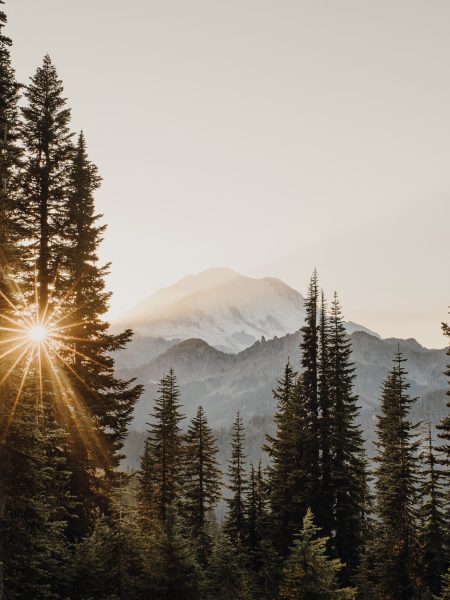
40,342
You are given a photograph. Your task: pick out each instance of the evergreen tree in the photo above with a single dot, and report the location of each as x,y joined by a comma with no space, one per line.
161,465
432,520
310,384
44,177
396,489
9,163
225,576
282,456
444,426
202,485
308,572
235,519
100,405
177,573
261,559
326,499
444,435
9,156
116,559
35,507
348,463
290,479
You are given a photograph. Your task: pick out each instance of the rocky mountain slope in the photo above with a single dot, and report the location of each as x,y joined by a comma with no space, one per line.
223,382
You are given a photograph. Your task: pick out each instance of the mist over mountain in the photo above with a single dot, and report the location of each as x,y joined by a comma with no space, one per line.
224,383
228,337
227,310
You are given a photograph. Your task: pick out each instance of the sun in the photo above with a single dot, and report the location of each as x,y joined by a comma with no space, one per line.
37,333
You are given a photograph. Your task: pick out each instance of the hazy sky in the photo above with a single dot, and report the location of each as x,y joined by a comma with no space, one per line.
267,136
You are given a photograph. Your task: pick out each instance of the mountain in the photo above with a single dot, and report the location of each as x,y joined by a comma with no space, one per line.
223,383
227,310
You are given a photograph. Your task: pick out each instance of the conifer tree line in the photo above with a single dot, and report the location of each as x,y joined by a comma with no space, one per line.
320,520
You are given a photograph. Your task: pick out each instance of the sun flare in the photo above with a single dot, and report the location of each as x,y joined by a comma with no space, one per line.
38,333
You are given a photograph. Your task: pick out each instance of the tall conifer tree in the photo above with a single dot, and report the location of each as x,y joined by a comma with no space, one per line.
325,514
348,466
396,489
310,383
290,479
235,519
44,177
432,518
308,572
102,404
9,153
161,465
202,481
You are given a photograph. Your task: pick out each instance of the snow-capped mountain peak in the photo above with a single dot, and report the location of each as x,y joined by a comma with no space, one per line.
228,310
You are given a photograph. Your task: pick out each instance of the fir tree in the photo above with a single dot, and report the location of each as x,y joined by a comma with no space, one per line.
225,576
117,557
35,508
102,404
432,520
308,572
261,559
9,155
290,479
235,519
396,489
326,500
161,465
348,462
444,426
444,435
44,177
202,484
282,456
177,573
310,384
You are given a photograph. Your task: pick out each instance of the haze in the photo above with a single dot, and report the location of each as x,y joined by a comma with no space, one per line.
267,136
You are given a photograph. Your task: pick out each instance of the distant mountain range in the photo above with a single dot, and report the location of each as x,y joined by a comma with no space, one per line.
225,309
228,338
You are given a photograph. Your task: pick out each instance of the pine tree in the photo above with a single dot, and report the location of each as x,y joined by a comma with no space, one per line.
161,465
202,481
290,479
310,384
262,561
44,177
235,519
325,514
348,461
100,405
444,426
225,577
396,489
432,520
444,435
35,508
308,572
116,559
9,157
177,573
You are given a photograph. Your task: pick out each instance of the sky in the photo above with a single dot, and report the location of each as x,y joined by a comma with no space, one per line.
268,136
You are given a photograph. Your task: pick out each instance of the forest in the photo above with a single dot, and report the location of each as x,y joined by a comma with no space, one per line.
317,520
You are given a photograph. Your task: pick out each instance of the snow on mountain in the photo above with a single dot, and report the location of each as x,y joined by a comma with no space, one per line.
222,307
228,310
